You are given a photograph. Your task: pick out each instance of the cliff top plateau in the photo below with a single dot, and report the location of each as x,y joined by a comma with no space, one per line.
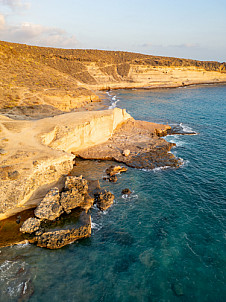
39,81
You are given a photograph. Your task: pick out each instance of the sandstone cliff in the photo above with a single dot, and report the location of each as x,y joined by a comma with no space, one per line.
35,155
38,82
52,81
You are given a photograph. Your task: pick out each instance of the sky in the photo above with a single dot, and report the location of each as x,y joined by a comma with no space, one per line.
194,29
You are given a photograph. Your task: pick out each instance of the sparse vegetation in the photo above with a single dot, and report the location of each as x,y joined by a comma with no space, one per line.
33,75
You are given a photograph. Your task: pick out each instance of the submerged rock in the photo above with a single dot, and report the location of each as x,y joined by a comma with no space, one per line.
147,258
177,289
104,199
126,191
30,225
50,207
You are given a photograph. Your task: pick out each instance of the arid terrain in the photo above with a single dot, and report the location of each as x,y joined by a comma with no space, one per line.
39,81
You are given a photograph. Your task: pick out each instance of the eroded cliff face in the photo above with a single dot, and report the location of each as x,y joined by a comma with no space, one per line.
40,81
35,155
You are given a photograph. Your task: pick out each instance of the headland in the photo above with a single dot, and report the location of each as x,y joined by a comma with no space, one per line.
53,110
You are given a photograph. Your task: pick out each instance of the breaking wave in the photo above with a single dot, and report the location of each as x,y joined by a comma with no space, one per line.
114,101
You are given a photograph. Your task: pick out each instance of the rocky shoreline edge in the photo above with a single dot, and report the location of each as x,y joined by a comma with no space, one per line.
39,156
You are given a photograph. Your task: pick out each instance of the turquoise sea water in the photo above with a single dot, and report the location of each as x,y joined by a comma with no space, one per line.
164,243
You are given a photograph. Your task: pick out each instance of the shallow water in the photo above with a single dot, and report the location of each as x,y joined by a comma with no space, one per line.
166,242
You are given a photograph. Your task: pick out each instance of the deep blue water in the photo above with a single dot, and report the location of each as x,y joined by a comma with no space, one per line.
167,239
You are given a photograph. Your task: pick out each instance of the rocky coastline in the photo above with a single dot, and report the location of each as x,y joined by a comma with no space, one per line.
55,116
39,156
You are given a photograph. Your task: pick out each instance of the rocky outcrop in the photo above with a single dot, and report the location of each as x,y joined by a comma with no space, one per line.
78,183
54,228
112,171
54,239
126,191
38,156
104,199
147,150
162,132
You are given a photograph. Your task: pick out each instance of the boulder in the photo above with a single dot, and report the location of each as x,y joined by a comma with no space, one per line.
104,199
113,178
126,152
30,225
50,207
126,191
112,170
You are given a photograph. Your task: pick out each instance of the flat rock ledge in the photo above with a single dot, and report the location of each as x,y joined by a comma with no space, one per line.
52,227
145,149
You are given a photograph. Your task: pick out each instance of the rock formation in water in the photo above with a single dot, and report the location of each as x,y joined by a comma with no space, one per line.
112,171
147,149
52,227
38,153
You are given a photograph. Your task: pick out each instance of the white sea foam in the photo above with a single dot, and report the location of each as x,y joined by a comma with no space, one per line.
130,196
95,226
22,245
6,265
184,163
176,139
113,105
25,287
187,129
159,169
114,101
